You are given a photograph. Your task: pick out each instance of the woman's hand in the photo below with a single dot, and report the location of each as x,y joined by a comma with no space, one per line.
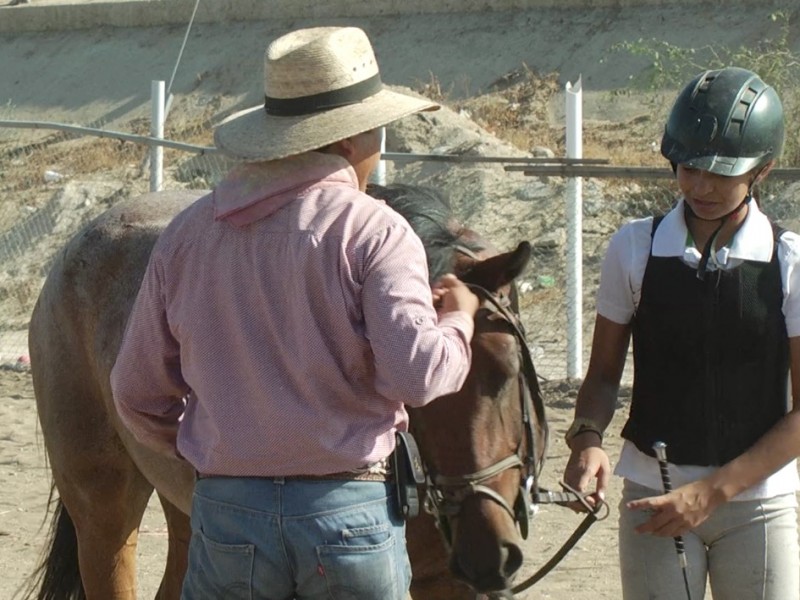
588,461
679,511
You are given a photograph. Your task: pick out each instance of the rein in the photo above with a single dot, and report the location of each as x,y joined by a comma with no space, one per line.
445,494
591,517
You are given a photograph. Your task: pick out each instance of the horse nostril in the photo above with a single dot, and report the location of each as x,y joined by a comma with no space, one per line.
513,559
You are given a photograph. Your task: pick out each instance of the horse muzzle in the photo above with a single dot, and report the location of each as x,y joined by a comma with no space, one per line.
488,570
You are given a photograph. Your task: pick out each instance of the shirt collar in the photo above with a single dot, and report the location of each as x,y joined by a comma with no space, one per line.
754,240
253,191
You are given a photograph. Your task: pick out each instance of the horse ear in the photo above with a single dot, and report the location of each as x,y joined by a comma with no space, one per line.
497,271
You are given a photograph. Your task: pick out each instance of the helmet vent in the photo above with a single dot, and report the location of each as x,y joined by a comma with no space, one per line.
706,83
740,112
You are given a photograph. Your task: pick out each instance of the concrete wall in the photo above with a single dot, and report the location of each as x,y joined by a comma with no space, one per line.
53,15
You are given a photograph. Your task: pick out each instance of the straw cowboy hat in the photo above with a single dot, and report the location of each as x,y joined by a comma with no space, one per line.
321,85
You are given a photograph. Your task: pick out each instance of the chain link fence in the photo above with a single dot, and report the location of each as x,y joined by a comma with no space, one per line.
52,186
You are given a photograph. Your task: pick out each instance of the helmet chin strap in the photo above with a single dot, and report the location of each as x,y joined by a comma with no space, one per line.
710,245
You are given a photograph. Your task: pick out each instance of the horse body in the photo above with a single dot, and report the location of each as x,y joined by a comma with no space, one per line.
104,477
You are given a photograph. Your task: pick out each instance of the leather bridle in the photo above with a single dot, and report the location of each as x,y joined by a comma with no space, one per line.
445,494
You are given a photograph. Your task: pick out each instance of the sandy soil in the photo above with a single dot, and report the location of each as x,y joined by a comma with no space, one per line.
102,78
589,572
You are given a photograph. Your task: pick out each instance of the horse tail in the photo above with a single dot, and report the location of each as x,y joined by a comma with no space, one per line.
58,575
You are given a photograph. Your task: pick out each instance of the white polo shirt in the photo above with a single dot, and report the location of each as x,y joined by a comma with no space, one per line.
621,288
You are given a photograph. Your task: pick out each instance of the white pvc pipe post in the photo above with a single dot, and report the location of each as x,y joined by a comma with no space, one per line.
157,131
574,95
379,176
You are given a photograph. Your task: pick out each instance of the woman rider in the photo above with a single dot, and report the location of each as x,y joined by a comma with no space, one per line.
710,293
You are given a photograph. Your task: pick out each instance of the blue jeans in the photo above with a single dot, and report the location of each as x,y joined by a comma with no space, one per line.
270,539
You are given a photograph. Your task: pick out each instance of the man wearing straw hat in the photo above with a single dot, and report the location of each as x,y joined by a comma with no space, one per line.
283,322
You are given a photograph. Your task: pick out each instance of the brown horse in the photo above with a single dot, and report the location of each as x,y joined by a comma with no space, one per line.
479,445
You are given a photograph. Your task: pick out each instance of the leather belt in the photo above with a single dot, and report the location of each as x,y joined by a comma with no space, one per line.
341,476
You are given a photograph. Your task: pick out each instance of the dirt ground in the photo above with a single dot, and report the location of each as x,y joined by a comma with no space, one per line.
102,78
589,571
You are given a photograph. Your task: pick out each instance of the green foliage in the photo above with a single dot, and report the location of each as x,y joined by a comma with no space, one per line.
670,67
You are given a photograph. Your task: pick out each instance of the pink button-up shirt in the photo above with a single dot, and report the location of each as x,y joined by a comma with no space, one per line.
283,322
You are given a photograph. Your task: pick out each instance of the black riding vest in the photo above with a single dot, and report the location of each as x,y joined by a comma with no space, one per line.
711,359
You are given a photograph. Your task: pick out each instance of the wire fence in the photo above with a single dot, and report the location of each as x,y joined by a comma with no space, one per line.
53,186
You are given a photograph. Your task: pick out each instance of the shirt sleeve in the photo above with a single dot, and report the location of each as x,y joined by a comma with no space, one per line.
623,270
146,379
418,357
789,257
615,299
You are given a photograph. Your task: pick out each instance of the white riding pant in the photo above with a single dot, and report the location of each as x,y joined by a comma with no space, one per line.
745,550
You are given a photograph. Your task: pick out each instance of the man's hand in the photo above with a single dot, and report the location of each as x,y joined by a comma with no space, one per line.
450,294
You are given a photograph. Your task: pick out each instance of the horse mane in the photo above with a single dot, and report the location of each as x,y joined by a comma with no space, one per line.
430,215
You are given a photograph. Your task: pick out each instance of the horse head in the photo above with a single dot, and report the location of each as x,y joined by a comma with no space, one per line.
483,446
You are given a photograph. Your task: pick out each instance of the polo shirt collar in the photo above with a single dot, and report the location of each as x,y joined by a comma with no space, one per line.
754,240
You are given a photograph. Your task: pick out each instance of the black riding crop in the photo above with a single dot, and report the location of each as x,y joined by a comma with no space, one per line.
660,449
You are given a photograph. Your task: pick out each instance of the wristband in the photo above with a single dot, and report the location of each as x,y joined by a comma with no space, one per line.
582,425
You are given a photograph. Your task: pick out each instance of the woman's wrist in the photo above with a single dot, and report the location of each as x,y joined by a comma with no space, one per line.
585,430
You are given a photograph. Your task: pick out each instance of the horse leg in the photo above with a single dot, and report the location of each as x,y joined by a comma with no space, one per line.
101,490
102,493
106,507
179,533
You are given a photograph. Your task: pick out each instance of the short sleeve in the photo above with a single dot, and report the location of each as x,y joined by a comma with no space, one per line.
623,271
789,257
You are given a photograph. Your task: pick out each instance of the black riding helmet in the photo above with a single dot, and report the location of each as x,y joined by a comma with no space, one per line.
726,121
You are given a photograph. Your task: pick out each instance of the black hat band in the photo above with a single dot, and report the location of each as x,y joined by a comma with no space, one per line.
306,105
